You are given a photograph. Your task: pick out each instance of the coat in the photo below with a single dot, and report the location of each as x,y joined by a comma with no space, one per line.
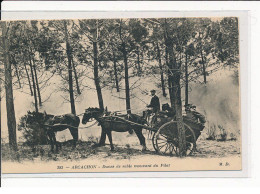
196,116
155,103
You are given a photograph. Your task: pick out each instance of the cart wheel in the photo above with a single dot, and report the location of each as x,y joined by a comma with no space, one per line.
166,139
154,142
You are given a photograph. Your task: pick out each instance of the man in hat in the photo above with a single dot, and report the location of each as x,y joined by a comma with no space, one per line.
192,114
155,102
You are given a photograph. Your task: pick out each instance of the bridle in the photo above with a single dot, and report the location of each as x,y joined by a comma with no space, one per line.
91,116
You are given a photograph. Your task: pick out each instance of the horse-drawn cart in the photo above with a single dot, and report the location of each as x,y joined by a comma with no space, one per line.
165,133
163,126
165,139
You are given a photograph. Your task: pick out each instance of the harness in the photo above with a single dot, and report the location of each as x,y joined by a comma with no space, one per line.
61,124
70,126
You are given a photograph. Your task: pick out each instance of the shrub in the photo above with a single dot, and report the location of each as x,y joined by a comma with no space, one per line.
233,137
211,132
223,133
33,135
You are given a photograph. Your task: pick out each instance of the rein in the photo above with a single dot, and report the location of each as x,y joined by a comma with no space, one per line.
70,126
130,122
118,111
89,125
81,114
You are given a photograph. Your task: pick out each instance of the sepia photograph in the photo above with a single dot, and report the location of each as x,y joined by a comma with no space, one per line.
120,95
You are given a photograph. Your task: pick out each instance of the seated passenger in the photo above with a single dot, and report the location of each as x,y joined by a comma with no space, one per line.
192,114
167,110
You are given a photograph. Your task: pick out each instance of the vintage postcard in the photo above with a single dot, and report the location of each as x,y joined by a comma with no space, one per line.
120,95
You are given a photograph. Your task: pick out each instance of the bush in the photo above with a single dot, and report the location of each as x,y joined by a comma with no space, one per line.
33,135
223,133
211,132
233,137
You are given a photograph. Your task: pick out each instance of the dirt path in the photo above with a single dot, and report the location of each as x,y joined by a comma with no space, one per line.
126,147
127,152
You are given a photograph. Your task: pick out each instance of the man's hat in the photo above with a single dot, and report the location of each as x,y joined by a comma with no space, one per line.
152,91
188,106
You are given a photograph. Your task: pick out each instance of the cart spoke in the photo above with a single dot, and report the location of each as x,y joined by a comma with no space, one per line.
171,148
166,149
176,151
161,142
163,139
162,146
164,136
174,148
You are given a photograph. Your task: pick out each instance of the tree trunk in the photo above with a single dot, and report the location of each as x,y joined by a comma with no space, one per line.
11,122
115,72
186,81
76,76
177,100
34,85
138,62
161,70
68,50
96,77
97,84
170,86
203,68
180,60
37,84
16,72
28,77
127,90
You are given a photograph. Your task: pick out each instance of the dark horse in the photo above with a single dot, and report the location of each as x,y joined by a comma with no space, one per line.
116,123
52,124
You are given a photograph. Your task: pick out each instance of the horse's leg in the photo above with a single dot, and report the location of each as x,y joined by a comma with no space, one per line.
75,134
51,140
102,140
109,135
55,142
138,132
59,144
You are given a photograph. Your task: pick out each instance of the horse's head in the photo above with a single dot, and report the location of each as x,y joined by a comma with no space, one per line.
91,113
35,117
146,114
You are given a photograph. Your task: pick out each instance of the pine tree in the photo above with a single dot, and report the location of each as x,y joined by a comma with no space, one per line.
11,122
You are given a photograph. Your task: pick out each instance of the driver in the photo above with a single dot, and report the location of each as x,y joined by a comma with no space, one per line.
155,102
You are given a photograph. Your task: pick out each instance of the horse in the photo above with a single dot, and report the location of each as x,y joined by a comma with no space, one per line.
110,123
52,124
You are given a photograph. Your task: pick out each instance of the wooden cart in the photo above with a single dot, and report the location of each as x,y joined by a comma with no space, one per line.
165,134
